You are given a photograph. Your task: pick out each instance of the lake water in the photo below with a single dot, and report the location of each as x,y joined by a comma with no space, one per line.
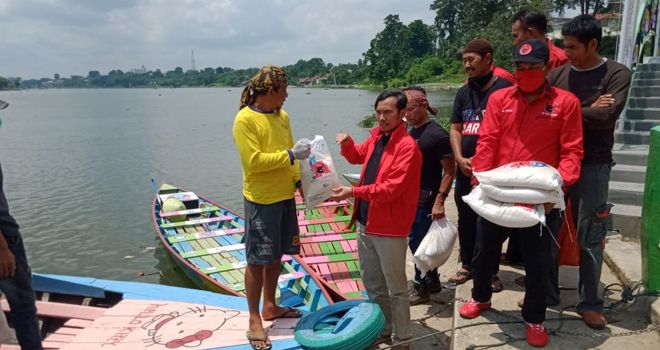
77,166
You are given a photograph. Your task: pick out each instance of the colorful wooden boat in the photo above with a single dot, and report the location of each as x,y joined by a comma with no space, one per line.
329,246
205,240
81,313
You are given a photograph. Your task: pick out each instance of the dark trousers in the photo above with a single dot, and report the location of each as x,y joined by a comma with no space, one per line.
467,220
535,247
20,297
467,224
418,231
591,212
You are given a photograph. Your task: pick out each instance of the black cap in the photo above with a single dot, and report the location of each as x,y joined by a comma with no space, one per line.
3,104
532,51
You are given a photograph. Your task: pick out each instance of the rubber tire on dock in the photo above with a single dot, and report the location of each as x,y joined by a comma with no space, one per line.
359,323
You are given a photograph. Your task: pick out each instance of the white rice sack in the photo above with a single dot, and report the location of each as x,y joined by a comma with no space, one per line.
529,174
505,214
508,194
437,245
318,174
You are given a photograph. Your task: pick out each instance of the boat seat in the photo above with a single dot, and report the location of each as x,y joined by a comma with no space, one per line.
206,234
189,211
197,221
63,310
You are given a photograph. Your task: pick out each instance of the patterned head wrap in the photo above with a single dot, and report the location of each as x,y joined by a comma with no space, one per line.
266,78
417,98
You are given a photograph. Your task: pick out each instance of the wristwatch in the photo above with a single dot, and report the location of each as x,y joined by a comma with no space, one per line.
443,195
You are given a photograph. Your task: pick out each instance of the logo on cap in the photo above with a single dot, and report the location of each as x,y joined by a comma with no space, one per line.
525,49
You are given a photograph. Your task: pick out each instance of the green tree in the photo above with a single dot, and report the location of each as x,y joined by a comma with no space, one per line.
389,52
586,6
421,38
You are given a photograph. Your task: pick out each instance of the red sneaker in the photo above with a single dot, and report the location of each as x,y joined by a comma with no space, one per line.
472,308
537,335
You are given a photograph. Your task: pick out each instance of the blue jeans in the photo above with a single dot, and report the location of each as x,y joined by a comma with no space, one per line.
418,231
20,296
591,212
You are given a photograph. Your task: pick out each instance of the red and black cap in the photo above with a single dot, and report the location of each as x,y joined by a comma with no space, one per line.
532,51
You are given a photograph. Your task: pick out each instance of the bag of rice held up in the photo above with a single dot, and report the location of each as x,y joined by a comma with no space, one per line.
508,194
505,214
318,174
528,174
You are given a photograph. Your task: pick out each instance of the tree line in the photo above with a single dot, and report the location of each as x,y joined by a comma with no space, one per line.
400,54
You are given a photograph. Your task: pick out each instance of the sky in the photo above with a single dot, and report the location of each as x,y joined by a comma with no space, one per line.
72,37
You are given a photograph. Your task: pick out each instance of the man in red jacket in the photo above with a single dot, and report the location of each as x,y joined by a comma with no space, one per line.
529,121
528,25
386,199
534,25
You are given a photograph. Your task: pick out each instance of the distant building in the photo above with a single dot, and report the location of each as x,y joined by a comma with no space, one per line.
309,81
611,22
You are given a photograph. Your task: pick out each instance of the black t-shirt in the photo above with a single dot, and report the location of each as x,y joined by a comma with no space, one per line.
370,174
8,225
469,107
433,142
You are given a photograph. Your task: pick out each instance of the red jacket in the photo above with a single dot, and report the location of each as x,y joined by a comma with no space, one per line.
557,56
547,130
393,196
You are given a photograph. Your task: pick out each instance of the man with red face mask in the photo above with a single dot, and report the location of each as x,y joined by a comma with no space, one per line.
529,121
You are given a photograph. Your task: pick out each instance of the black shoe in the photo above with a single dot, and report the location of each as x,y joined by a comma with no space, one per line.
418,294
434,287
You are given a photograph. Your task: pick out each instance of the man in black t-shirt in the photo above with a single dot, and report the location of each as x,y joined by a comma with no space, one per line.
469,110
438,171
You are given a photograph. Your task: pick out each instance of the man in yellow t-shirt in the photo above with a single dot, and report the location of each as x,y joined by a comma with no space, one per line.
262,134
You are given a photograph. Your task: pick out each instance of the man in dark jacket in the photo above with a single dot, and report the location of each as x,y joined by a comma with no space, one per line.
15,276
468,114
601,85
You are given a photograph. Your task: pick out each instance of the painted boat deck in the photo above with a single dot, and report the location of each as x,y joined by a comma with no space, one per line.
146,316
329,246
208,246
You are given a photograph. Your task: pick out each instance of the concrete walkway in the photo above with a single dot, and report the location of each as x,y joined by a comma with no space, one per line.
628,328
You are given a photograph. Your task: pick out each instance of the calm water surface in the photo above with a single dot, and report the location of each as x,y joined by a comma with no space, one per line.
77,166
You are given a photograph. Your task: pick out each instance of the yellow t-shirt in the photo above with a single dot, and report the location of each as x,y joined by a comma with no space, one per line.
263,141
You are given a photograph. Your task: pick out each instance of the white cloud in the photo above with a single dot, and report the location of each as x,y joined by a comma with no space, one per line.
72,37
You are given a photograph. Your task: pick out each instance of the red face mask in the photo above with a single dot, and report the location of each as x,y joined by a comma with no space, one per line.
530,80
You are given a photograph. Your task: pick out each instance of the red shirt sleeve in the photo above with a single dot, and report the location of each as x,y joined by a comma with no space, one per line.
355,153
489,136
572,151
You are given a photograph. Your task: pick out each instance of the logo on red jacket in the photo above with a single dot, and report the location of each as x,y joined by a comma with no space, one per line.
525,50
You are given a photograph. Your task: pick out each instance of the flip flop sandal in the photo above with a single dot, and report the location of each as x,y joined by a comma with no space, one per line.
461,277
288,312
496,285
252,338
